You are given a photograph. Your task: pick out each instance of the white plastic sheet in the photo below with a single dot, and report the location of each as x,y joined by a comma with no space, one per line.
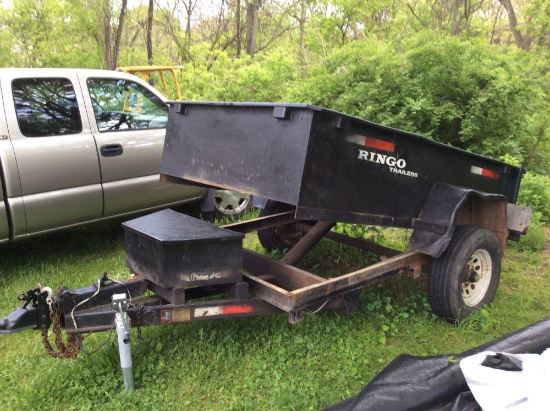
497,390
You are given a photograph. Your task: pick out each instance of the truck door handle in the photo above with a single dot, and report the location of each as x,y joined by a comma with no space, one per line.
111,150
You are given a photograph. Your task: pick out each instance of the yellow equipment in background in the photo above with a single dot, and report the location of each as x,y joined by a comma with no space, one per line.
145,71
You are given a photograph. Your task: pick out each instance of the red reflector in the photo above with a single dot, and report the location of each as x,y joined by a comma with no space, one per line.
485,172
490,173
237,309
379,144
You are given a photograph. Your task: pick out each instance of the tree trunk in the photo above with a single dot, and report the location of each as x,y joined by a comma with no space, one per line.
106,21
119,33
302,22
252,25
522,41
189,10
238,28
150,32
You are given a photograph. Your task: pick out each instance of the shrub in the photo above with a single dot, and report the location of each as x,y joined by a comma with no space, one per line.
535,193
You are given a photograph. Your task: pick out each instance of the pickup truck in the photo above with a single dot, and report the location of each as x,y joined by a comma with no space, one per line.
79,146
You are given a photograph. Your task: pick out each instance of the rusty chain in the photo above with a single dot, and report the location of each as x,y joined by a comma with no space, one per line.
73,346
138,321
69,349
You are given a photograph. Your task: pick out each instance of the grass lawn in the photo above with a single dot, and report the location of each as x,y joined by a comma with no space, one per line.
259,363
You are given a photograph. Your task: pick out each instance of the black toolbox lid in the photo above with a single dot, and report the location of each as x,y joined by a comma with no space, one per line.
171,227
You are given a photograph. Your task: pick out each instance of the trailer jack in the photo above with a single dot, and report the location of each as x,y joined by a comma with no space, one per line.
122,323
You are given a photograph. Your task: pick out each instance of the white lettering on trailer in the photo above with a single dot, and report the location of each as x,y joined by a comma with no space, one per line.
395,165
202,277
381,159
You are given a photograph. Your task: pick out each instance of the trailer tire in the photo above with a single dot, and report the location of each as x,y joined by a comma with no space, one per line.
466,275
280,237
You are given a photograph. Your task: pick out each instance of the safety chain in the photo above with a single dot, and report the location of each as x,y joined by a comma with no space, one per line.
139,311
68,350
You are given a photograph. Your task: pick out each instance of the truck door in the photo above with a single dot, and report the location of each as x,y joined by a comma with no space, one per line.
5,147
131,120
54,149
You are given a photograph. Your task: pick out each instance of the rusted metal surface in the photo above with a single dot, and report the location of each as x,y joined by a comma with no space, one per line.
359,243
313,293
262,222
307,242
284,275
144,314
318,289
487,214
174,295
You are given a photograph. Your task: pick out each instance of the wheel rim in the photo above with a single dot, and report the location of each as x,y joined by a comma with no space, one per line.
477,277
230,202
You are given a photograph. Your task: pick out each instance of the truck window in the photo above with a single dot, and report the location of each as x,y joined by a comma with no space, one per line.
122,105
46,107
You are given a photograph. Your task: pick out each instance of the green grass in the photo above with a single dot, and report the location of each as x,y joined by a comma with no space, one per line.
259,363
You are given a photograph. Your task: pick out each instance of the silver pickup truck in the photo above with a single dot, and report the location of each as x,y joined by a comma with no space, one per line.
79,146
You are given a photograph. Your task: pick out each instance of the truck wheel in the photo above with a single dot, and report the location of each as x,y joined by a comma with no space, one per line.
228,205
466,275
280,237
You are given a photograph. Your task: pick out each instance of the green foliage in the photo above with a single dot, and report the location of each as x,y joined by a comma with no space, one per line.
213,75
535,193
482,320
535,239
48,33
461,92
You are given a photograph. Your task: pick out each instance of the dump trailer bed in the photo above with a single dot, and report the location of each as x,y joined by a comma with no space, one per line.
329,165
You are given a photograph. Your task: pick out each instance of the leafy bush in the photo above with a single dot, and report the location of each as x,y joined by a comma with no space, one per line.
535,193
213,75
535,239
462,92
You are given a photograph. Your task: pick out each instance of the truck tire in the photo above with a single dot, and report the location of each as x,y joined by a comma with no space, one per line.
466,275
280,237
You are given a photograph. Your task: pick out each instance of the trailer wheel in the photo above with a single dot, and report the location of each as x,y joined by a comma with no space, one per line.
279,237
466,275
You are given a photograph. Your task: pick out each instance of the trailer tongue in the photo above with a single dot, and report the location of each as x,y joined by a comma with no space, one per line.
317,167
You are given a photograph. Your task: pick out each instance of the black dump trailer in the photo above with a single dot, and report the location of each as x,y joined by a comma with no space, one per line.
316,167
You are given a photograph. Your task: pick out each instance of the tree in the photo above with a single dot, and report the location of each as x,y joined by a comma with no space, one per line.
523,40
149,40
252,24
452,16
112,34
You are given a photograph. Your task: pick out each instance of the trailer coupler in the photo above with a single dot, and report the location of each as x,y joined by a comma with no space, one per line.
34,312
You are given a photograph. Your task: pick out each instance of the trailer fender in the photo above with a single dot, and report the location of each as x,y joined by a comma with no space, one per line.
448,206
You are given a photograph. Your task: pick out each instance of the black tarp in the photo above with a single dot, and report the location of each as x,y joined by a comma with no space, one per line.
435,383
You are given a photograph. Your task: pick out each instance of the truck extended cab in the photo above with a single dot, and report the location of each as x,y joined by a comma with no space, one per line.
79,146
